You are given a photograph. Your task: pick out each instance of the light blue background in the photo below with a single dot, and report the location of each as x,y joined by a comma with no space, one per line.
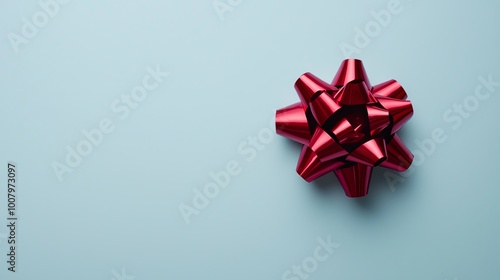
119,208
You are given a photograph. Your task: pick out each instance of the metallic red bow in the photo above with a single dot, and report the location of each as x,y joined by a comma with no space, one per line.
347,127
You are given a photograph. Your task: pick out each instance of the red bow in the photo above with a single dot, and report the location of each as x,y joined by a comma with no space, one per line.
347,126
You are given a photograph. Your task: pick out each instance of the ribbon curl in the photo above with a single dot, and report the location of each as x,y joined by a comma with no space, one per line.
347,127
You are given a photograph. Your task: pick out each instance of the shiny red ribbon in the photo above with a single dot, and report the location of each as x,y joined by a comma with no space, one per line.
347,126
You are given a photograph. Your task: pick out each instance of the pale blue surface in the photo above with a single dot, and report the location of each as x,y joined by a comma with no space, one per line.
120,207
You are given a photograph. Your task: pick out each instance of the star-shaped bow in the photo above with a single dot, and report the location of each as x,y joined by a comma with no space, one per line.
347,126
